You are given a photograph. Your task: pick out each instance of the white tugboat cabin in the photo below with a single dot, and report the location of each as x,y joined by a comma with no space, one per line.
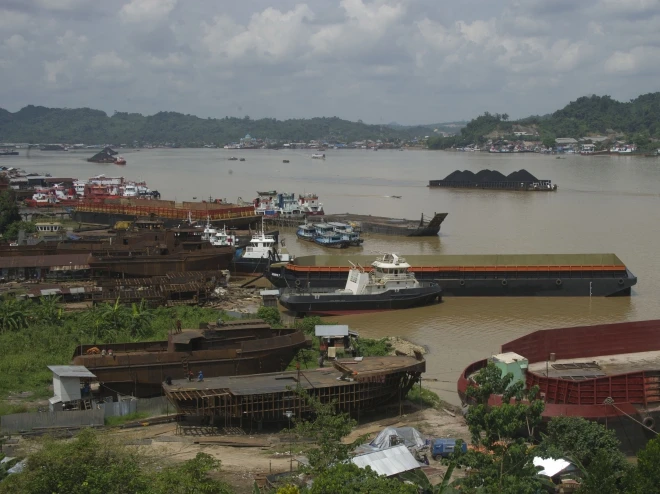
389,272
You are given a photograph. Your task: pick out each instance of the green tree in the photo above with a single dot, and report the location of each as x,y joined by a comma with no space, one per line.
347,478
645,478
191,477
8,211
14,228
14,314
140,320
270,315
502,461
326,428
580,439
548,141
82,466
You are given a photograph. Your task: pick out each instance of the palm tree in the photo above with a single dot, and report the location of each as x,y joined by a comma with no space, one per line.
49,310
140,319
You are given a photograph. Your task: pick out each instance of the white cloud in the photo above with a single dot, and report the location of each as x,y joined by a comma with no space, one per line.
368,59
146,11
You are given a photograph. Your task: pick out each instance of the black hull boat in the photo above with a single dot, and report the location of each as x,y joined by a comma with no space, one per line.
388,286
332,303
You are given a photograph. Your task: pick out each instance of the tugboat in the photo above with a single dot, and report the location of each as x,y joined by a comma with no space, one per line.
306,232
326,236
259,253
120,160
390,285
347,232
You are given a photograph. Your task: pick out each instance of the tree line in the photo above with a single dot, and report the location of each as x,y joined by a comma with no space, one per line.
38,124
637,120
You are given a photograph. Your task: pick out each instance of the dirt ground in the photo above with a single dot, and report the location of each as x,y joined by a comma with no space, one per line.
254,456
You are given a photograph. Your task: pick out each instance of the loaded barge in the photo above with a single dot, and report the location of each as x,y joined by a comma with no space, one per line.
492,179
609,373
568,275
236,348
380,225
354,385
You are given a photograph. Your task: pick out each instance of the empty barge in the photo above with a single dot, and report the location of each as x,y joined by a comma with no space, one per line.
236,348
355,385
609,373
543,275
391,226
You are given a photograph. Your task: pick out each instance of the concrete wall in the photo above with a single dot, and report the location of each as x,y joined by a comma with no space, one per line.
27,421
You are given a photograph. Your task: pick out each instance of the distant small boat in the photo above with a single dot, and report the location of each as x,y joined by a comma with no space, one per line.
233,158
120,160
242,159
318,156
396,197
285,161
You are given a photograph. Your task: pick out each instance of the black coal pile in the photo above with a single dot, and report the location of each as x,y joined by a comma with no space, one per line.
105,156
485,176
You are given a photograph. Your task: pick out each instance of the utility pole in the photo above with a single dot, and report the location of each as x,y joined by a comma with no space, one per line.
289,414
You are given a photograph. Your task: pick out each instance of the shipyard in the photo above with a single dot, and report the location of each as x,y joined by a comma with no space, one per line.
352,247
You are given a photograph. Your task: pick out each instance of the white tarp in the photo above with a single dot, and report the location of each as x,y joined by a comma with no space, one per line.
408,435
551,467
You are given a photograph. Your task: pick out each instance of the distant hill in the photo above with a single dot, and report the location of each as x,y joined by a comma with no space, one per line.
637,120
447,127
39,124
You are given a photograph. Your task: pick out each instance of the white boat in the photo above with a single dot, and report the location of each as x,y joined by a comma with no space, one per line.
259,253
318,156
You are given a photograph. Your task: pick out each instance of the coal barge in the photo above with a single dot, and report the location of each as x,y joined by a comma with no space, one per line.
354,386
543,275
520,180
381,225
387,286
236,348
609,373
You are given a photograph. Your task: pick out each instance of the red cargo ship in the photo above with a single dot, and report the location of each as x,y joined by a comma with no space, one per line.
609,373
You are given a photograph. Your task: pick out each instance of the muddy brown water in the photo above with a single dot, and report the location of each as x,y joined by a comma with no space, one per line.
604,204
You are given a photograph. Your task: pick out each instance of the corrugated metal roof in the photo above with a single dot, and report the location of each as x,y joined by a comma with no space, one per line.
388,462
70,371
45,261
331,330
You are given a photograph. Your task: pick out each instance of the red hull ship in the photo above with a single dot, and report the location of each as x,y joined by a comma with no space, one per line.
609,373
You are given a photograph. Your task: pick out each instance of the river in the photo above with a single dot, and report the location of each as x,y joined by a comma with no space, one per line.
604,204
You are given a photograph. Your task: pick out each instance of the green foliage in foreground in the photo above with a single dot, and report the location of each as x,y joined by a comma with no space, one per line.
35,335
347,478
93,464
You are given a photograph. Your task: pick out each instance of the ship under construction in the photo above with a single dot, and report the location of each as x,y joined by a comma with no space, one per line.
355,385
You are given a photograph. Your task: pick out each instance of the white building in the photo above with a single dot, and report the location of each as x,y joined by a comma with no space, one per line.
67,381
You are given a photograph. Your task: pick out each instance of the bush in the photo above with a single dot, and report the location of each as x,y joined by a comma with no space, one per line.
270,315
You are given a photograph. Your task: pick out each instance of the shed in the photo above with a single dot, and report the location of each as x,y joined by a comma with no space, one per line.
388,462
66,382
333,337
513,363
269,297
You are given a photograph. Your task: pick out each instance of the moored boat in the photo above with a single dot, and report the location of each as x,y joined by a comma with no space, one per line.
609,373
388,286
306,232
259,253
326,236
234,348
567,275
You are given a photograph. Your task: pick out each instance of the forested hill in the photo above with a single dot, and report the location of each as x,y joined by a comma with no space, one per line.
37,124
637,120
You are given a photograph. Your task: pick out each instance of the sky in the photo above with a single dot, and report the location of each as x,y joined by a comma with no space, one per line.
408,61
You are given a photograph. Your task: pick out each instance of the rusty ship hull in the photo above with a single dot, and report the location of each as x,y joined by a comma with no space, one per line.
609,373
243,347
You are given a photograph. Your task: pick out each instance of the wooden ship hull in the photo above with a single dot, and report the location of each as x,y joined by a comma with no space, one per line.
354,385
242,347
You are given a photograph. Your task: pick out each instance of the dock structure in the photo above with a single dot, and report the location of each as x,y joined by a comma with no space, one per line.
354,385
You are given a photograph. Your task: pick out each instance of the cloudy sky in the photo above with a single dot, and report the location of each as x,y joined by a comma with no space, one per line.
410,61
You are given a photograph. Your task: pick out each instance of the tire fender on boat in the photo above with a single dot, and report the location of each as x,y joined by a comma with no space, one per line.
621,281
297,282
558,282
505,283
648,422
462,282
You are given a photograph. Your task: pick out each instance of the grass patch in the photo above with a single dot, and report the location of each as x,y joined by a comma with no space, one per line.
424,397
124,419
8,409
